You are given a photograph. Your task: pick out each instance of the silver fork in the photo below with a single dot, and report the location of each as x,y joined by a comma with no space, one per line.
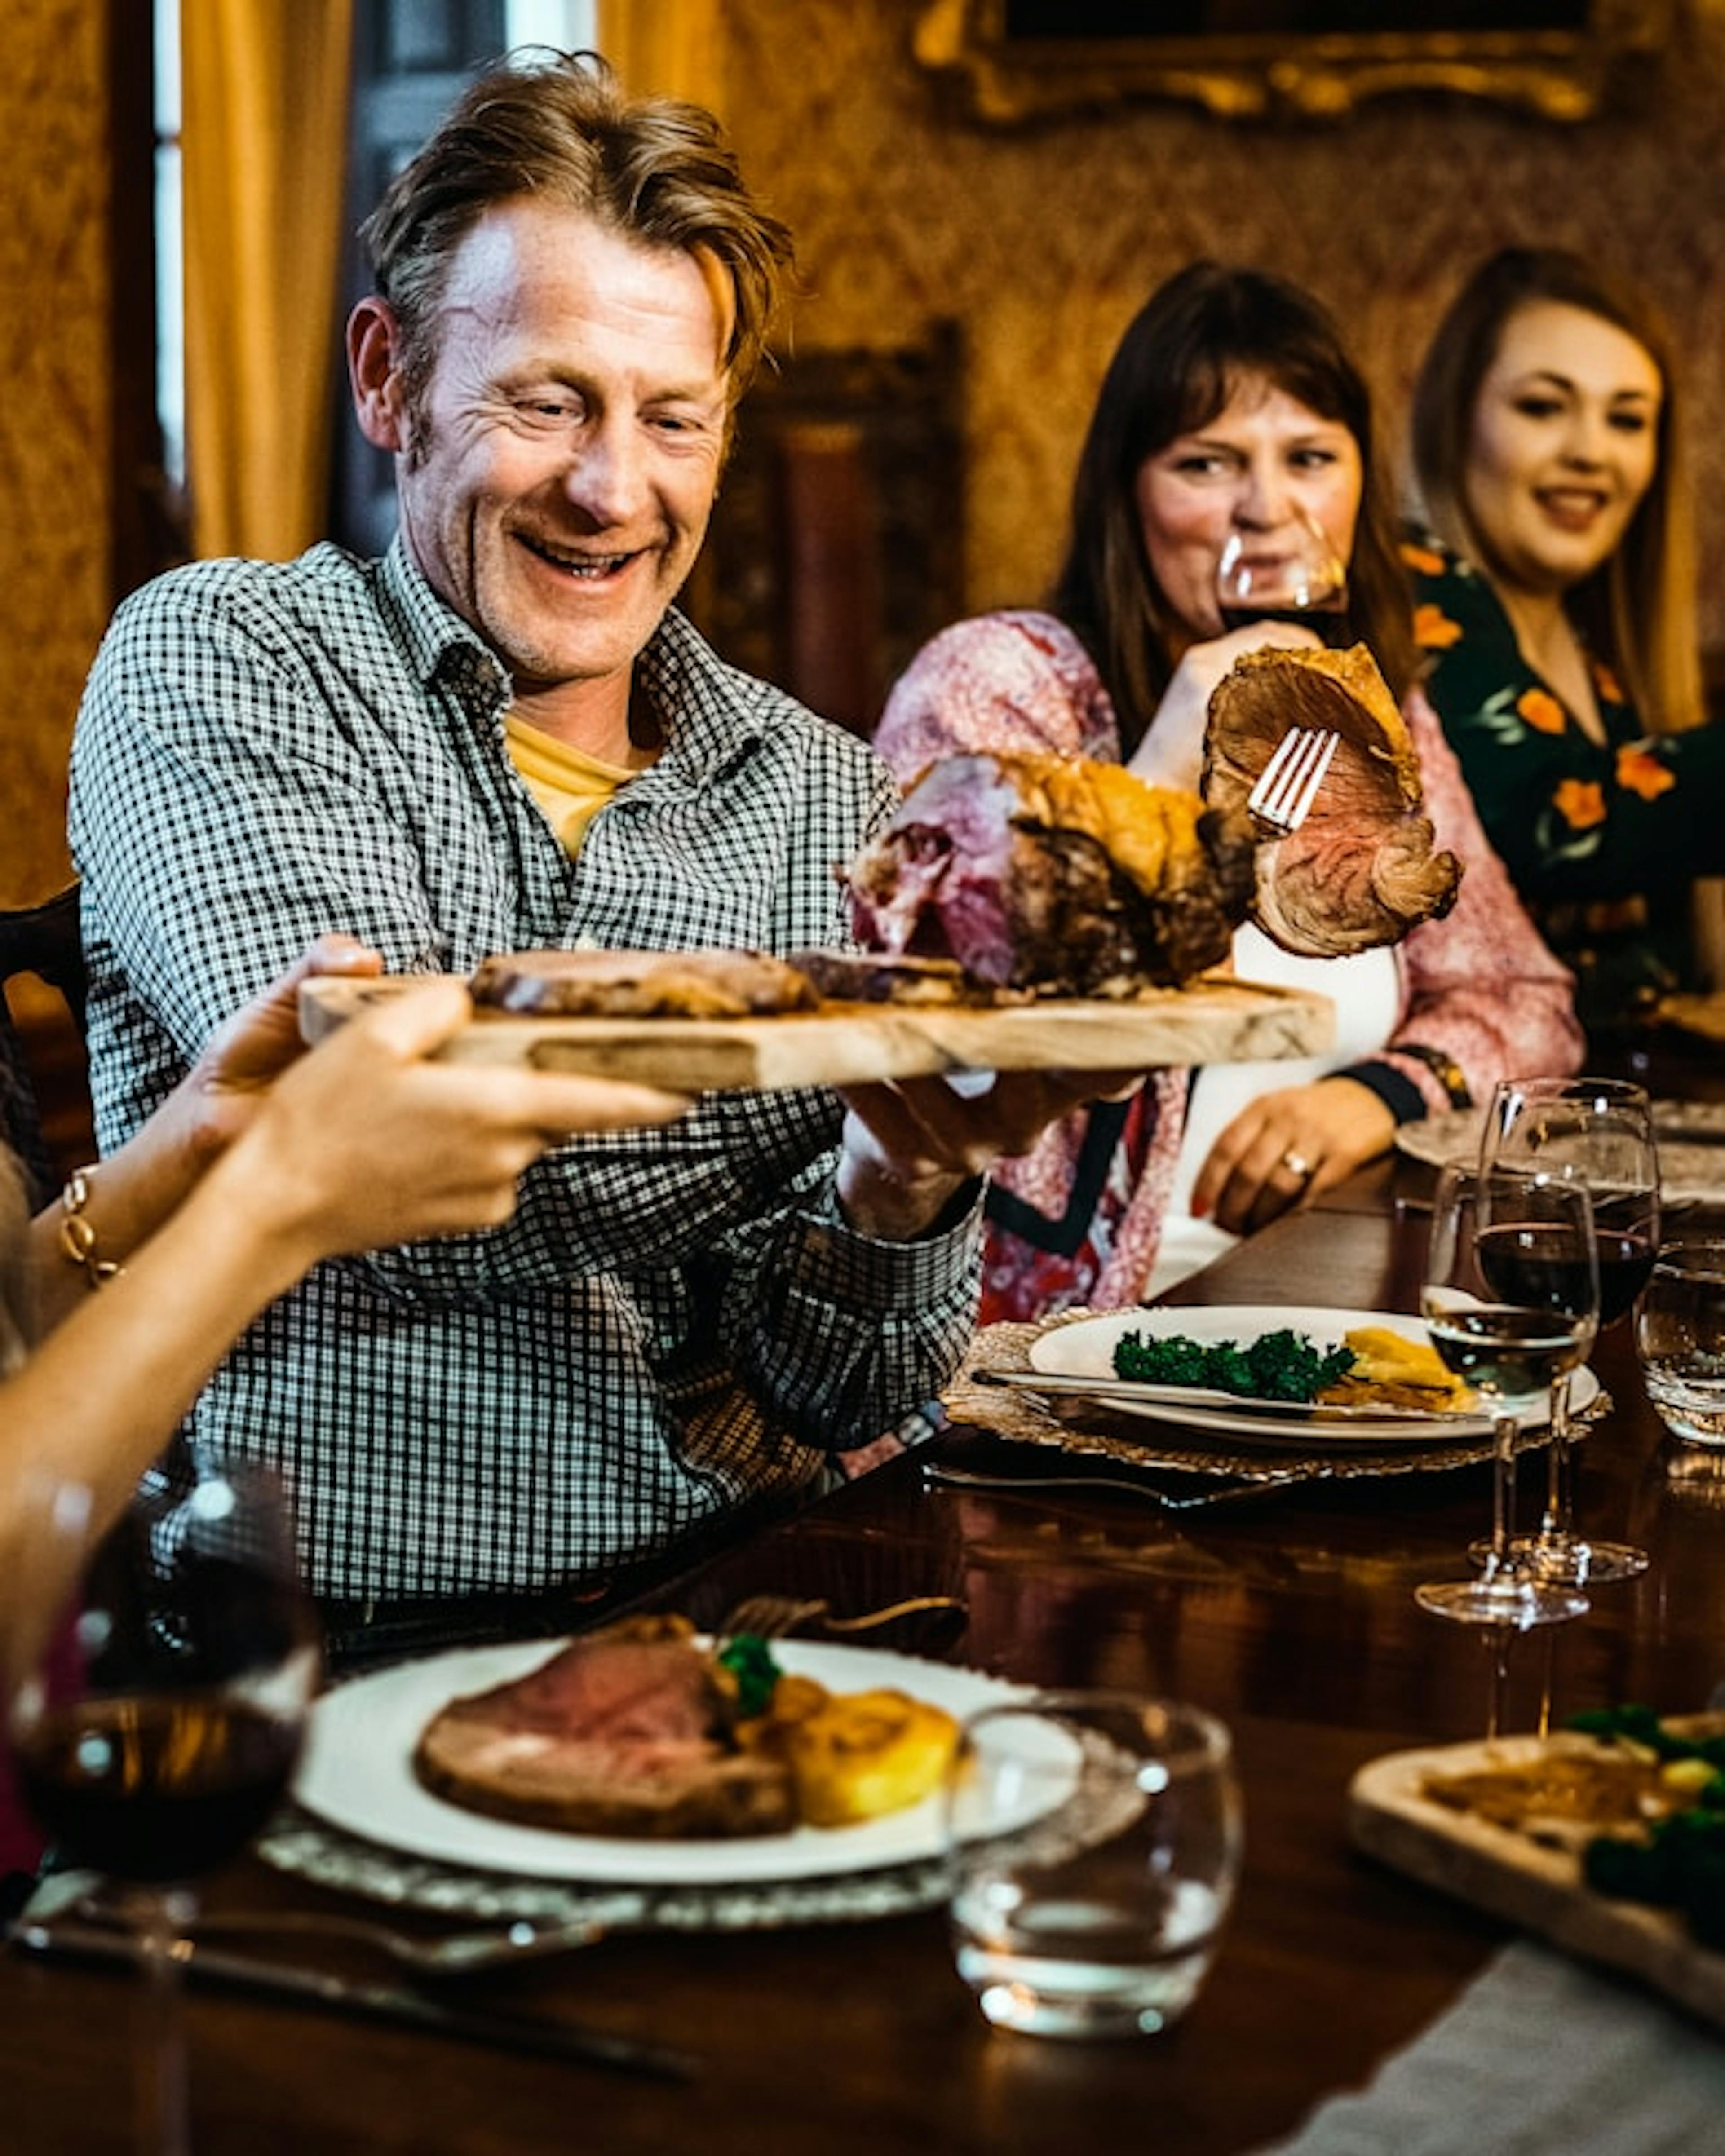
456,1954
776,1616
1288,786
1198,1501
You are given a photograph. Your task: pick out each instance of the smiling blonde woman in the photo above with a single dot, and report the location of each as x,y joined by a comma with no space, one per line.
1555,593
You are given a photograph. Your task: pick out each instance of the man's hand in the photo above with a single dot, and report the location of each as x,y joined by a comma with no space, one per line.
911,1148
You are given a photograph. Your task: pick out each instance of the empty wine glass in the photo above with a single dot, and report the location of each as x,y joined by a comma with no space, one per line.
1511,1299
159,1705
1603,1128
1290,574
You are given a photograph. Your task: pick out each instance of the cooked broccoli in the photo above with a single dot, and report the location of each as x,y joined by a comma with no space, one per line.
1678,1862
749,1659
1638,1724
1276,1365
1631,1870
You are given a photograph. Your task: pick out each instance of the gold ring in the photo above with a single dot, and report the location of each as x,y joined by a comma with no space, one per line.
1297,1165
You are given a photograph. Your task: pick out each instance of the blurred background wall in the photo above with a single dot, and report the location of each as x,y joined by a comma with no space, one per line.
1044,240
56,400
1039,242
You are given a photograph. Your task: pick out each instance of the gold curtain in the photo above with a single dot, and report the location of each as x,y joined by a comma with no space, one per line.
666,48
264,119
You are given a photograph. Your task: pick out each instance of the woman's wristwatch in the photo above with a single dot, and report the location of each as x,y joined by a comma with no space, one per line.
1444,1068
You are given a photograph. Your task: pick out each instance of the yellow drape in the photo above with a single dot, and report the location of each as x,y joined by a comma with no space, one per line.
666,48
264,117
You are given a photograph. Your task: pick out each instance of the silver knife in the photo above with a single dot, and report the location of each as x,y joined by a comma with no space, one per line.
66,1939
1143,1394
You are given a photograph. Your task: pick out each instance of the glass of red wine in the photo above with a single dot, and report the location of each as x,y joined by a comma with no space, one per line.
1290,574
158,1710
1604,1128
1512,1300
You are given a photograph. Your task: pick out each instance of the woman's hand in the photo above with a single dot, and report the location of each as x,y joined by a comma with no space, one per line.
1284,1147
1172,751
357,1144
217,1100
365,1142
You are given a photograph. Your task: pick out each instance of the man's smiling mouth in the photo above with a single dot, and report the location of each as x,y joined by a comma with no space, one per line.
585,568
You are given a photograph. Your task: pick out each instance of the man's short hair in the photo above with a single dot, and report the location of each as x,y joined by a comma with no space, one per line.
557,126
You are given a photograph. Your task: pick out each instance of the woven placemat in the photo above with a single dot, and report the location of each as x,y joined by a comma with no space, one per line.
1085,1426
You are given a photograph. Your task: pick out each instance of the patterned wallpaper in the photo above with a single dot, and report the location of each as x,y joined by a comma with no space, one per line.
1040,241
1044,241
53,418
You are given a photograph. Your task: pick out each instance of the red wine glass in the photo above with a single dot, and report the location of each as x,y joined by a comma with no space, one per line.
158,1710
1510,1299
1604,1128
1290,574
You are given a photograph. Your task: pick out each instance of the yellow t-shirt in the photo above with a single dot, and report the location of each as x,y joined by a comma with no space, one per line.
569,787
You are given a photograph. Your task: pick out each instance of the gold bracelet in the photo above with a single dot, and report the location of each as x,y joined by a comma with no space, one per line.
78,1239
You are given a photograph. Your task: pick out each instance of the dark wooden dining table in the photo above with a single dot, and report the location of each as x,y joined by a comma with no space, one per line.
1292,1617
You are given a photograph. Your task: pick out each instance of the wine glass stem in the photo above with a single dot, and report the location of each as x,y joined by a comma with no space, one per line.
1498,1562
1560,1520
161,1918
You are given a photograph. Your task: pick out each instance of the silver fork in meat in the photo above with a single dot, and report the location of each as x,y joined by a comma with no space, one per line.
1288,786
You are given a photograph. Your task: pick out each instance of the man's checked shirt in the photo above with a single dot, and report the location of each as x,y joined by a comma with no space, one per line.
675,1320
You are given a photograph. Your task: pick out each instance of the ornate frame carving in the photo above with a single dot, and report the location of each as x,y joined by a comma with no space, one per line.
1562,75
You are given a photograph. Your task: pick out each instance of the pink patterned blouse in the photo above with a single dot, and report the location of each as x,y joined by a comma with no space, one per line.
1478,986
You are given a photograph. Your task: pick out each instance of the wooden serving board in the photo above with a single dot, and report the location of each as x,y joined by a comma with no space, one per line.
1528,1881
1702,1015
1215,1019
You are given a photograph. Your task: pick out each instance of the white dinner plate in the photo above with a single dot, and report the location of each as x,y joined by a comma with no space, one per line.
1086,1350
1691,1137
357,1773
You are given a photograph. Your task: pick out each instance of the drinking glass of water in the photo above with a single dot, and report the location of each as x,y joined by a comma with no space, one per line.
1094,1842
1679,1337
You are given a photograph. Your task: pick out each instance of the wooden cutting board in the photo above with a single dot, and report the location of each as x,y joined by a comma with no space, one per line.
1516,1877
1215,1019
1702,1015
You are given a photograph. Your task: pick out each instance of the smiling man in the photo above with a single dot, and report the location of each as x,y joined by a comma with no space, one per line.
502,736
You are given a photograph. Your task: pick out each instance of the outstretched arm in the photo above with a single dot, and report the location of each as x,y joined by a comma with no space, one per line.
249,1175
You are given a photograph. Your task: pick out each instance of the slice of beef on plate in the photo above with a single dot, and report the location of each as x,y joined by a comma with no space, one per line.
625,1731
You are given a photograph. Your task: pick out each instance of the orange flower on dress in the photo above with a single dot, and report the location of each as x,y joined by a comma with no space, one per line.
1606,682
1421,560
1433,628
1581,804
1638,773
1542,711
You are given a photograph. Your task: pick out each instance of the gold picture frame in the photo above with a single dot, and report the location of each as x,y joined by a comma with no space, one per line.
1561,63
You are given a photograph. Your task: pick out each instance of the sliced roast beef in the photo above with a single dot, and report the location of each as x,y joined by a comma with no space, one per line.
640,984
1364,868
624,1731
1054,874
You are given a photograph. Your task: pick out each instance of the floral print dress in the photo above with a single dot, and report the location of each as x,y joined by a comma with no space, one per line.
1603,840
1079,1219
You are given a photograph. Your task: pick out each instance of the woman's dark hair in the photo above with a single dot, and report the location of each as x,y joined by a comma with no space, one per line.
1637,610
1183,356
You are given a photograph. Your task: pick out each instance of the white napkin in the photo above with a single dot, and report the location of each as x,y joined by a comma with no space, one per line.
1541,2055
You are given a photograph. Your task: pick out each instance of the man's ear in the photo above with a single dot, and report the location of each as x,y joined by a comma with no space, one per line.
374,372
